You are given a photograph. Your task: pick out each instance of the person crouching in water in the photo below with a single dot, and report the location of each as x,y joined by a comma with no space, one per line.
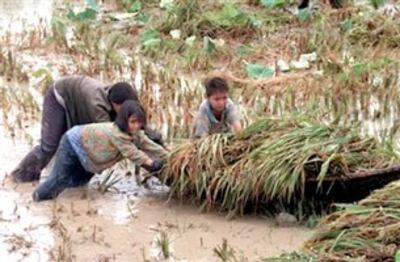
217,113
86,150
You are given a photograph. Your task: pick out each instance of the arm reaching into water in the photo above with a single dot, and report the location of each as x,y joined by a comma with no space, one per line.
144,143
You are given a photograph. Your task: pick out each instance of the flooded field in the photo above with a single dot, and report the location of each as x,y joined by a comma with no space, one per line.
85,225
339,66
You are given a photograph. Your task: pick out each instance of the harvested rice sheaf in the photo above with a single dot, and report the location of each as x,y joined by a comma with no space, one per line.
268,165
367,231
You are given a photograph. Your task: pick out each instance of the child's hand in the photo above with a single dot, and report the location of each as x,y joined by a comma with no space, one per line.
167,147
157,165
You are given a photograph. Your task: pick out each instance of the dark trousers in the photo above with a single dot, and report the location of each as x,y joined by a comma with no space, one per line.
67,172
54,125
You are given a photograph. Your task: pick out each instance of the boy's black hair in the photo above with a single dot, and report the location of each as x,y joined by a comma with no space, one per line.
121,91
216,85
130,108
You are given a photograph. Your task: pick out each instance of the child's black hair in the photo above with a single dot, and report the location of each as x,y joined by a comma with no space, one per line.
121,91
130,108
216,85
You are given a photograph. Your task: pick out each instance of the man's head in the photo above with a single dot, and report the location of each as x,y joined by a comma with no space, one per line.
217,93
119,93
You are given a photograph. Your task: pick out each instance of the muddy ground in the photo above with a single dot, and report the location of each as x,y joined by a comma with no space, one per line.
86,225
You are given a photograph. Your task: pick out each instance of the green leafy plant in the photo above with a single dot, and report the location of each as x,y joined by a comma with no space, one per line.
136,6
377,3
89,13
230,17
273,3
259,71
150,39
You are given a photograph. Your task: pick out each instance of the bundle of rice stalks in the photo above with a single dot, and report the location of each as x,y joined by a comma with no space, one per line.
269,164
367,231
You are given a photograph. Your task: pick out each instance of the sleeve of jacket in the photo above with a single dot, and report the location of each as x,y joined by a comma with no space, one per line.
201,126
233,114
129,150
144,143
154,135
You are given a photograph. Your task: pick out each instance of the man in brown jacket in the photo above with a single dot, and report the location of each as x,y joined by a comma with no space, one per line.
73,100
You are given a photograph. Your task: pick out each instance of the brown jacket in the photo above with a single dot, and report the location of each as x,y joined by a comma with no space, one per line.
84,99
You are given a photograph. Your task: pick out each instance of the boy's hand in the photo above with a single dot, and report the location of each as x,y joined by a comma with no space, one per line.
237,127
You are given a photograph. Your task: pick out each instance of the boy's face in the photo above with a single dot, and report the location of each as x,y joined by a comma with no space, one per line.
134,124
218,101
116,107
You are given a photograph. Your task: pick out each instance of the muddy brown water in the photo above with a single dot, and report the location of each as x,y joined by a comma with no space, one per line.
86,225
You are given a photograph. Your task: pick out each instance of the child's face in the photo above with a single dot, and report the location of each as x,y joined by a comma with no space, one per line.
218,101
116,107
134,124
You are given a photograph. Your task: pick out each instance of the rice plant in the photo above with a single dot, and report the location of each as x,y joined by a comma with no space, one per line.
10,68
269,164
225,252
108,182
164,243
367,230
294,256
18,108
